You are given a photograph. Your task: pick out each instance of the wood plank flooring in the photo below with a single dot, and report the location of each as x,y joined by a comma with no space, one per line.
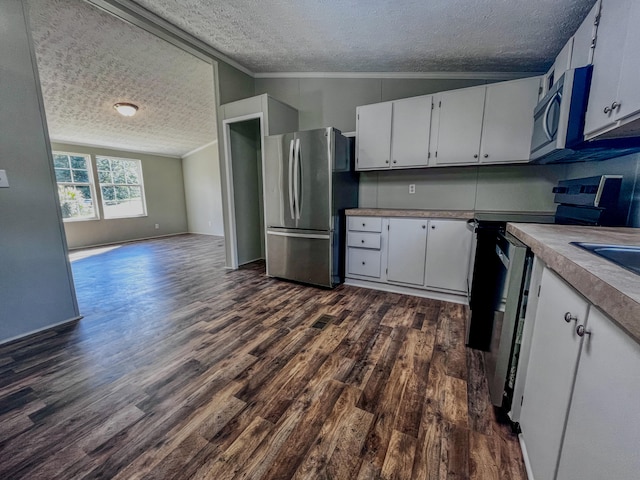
184,370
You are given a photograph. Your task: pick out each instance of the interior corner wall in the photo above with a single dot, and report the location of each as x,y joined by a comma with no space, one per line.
36,287
232,85
164,195
203,191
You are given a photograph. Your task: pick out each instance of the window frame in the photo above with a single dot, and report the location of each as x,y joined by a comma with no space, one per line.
91,184
143,196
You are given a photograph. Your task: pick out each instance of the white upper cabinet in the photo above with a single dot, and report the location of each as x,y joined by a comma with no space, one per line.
411,126
407,247
584,39
506,128
617,43
563,60
603,428
448,252
373,136
460,126
628,92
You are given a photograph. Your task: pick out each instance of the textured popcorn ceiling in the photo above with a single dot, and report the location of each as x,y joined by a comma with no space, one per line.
88,60
380,35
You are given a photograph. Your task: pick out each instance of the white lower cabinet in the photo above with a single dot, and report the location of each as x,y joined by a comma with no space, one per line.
552,364
602,439
580,415
407,250
410,254
448,252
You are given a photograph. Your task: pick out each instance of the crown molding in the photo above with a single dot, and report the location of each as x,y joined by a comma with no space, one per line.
202,147
404,75
114,149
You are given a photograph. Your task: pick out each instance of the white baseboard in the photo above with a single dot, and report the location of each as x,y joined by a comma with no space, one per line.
39,330
416,292
525,456
209,234
128,241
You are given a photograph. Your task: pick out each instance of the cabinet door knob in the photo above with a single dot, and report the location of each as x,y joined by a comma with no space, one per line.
362,241
386,161
581,331
363,263
395,161
486,155
568,317
475,156
607,109
433,227
614,105
424,226
363,224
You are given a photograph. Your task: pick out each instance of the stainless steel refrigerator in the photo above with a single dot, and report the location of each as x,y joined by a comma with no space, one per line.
308,183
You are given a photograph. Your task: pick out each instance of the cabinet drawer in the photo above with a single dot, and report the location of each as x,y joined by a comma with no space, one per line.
365,224
364,240
364,262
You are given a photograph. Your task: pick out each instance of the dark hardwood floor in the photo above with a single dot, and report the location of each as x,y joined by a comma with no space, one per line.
182,369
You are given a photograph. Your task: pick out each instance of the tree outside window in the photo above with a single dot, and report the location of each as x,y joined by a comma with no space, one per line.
121,187
75,186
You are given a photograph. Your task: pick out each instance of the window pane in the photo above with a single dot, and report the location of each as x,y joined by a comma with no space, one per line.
80,176
122,193
132,173
79,162
119,174
136,192
60,161
104,177
84,193
63,175
102,163
108,194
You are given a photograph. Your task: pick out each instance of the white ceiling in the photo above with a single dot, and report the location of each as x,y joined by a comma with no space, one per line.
88,60
380,35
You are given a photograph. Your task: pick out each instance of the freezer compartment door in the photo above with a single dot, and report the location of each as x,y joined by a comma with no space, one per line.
303,257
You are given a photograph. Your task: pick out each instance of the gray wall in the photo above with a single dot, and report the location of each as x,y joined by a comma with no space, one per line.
332,102
165,199
246,161
627,166
203,191
36,288
518,188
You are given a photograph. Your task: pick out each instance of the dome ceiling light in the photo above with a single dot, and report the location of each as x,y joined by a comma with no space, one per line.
126,109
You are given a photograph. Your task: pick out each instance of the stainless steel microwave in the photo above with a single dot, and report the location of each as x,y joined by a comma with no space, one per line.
558,126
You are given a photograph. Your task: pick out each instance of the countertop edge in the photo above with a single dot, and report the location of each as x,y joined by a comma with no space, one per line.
622,309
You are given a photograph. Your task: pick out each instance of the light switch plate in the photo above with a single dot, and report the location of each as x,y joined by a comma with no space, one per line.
4,181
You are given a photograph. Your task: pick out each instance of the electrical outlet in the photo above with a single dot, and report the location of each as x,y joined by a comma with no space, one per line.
4,181
412,188
157,226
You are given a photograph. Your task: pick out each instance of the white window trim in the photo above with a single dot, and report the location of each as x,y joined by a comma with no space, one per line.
92,186
141,185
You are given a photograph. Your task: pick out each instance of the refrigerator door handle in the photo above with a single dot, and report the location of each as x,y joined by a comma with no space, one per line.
296,175
291,180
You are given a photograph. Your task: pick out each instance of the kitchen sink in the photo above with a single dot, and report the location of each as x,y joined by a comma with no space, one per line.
627,256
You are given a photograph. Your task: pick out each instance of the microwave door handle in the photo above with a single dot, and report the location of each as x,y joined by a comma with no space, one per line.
545,117
291,180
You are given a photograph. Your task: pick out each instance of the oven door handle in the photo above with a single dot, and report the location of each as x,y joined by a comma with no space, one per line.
503,257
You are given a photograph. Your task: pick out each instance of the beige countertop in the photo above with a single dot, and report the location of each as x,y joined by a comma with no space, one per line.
611,288
385,212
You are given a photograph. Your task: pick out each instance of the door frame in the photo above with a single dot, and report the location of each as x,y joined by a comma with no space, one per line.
231,235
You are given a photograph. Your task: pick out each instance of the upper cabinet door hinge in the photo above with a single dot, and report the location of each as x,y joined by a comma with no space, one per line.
539,289
387,227
429,155
358,116
432,106
440,104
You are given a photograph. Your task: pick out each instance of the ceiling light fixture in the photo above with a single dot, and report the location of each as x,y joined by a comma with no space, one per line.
126,109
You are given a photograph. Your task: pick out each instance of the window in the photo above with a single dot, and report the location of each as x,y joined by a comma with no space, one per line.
75,186
121,187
